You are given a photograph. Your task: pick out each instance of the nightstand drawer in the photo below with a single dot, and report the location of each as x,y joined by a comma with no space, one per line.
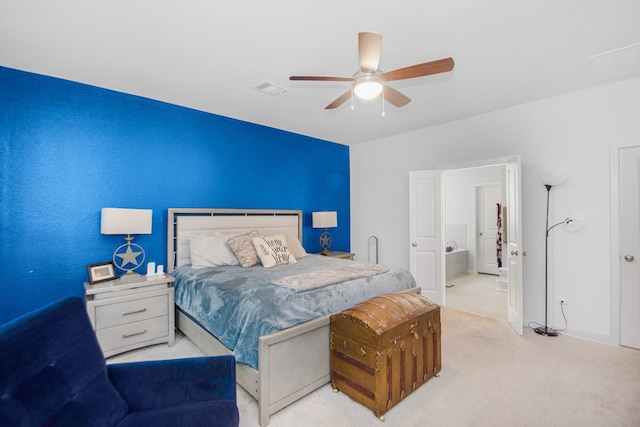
132,333
132,291
131,311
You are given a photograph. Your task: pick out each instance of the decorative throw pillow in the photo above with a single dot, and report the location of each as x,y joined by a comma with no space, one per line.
295,247
243,248
273,250
210,250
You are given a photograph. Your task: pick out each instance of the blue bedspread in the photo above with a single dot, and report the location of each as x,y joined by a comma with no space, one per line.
238,305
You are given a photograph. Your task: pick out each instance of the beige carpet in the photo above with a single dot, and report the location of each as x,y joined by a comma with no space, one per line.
490,377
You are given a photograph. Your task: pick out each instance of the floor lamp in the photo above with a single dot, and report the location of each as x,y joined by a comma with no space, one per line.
550,179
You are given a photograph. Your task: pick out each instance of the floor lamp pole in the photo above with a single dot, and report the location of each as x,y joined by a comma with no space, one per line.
545,330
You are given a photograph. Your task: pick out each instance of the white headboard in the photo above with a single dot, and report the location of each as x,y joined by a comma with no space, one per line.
182,222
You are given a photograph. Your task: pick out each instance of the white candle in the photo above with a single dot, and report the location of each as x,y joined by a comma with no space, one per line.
151,269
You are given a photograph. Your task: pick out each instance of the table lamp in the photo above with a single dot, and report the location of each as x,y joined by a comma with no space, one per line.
127,221
325,220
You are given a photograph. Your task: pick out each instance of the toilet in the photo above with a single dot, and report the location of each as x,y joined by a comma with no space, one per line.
502,280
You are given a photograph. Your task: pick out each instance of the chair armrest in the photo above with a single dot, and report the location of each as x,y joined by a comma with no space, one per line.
163,383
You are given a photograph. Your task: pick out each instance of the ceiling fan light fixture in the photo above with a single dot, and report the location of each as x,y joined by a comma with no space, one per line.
367,86
368,90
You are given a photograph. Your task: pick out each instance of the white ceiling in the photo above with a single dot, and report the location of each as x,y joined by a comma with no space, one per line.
209,55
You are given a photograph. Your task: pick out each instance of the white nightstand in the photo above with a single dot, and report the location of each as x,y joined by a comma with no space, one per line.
132,312
337,254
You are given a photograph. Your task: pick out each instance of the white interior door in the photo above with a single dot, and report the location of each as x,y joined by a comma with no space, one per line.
514,240
630,247
425,232
487,196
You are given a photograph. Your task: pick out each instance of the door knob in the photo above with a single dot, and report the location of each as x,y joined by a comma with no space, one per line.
514,253
629,258
414,244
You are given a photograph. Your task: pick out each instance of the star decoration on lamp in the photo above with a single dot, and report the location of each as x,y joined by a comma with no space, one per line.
325,240
129,256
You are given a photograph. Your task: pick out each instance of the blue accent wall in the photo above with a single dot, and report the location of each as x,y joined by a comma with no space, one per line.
68,150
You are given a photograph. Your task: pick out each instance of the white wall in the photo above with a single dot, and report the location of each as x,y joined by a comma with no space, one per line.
569,133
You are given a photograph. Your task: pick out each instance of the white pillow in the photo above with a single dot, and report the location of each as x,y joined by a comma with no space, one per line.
273,250
295,247
210,250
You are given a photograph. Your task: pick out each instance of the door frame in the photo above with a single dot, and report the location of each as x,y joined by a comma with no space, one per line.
516,323
615,267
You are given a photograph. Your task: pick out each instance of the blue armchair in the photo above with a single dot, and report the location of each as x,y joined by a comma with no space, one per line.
53,373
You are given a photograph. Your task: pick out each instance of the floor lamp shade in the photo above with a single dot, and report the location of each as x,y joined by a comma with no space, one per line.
552,178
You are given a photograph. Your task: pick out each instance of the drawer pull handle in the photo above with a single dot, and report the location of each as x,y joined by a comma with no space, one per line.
134,334
126,313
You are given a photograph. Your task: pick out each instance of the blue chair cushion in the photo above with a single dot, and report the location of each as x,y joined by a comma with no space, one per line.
162,383
52,371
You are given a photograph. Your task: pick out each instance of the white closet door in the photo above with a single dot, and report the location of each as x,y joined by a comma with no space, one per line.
487,225
630,247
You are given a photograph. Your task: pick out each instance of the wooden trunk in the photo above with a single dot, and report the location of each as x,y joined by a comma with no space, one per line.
384,348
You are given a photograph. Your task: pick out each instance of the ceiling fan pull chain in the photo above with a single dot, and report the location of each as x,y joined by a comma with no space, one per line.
383,113
352,107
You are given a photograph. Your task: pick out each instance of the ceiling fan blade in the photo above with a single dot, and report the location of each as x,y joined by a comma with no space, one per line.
322,78
395,97
426,69
369,49
339,101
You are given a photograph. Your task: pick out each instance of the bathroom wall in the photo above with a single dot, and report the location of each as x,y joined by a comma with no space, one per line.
455,235
460,205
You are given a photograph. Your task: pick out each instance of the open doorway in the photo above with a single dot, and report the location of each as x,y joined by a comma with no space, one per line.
426,232
473,214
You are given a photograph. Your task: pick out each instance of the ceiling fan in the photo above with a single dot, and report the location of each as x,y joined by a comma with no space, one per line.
370,82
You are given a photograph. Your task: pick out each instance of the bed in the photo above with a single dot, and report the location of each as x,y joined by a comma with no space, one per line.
290,361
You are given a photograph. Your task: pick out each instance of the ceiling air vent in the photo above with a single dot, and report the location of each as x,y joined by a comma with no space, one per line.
271,88
615,63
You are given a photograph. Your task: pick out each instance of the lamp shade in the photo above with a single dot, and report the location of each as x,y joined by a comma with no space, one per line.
572,225
125,221
552,178
324,219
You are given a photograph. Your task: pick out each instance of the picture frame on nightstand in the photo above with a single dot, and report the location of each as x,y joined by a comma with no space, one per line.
101,272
